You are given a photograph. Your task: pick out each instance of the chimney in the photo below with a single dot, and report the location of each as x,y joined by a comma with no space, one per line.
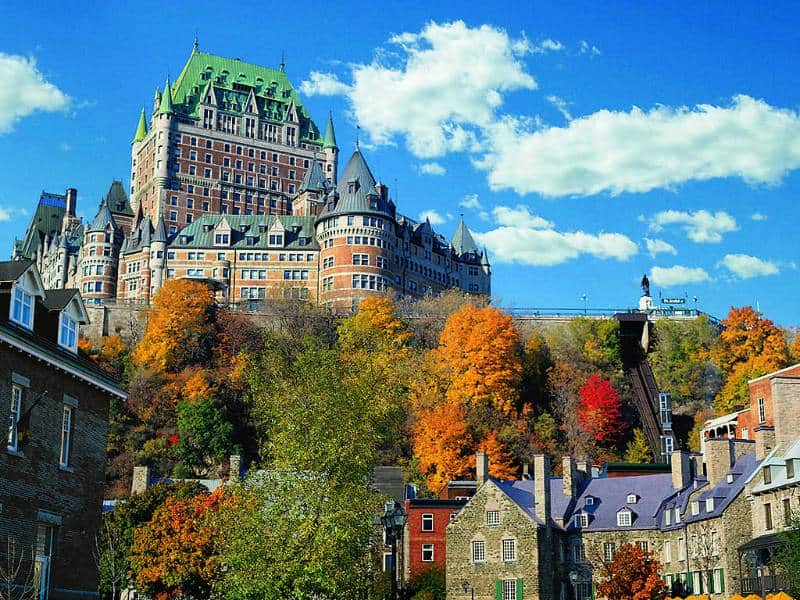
584,469
526,471
141,480
681,474
569,475
718,458
785,409
72,200
481,468
235,467
765,440
541,487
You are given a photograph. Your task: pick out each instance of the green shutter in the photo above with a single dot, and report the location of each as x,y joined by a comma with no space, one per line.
498,594
519,589
722,581
593,590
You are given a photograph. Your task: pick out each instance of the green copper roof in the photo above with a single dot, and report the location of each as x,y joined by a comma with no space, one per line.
463,241
330,135
298,232
141,128
165,106
230,83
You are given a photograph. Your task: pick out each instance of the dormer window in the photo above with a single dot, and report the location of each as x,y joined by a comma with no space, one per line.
730,478
677,514
589,501
68,333
709,505
276,239
581,520
633,498
695,508
790,469
624,518
767,475
351,187
22,308
222,239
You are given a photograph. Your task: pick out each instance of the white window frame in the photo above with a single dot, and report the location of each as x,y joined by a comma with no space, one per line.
427,518
509,589
624,518
20,302
478,551
762,410
667,552
588,501
695,508
609,550
492,518
632,499
68,332
14,415
581,520
709,504
427,548
509,550
67,419
681,549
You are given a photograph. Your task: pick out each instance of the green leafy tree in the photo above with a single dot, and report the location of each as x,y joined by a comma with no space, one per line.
788,558
204,433
428,584
638,450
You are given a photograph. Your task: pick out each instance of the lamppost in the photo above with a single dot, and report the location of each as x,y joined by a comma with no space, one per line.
466,587
573,579
393,521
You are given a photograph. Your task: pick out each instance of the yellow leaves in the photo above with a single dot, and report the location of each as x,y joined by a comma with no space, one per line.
197,386
442,444
501,462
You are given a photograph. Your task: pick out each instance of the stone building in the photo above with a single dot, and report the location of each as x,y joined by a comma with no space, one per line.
55,406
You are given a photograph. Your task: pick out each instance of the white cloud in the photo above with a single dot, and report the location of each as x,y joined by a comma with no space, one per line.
437,89
545,247
701,226
25,91
561,106
432,168
7,213
470,201
745,266
659,247
587,48
638,150
519,216
433,216
757,216
323,84
547,45
677,275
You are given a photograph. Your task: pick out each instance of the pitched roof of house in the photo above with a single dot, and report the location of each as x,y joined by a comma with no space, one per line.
57,299
357,193
103,219
200,233
314,180
10,270
776,461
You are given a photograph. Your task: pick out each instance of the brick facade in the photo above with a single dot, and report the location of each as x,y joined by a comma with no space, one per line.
424,543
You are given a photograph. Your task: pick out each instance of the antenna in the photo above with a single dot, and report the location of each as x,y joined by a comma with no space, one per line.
358,135
283,60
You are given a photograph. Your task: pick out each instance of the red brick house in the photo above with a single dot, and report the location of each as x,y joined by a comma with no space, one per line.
54,407
424,534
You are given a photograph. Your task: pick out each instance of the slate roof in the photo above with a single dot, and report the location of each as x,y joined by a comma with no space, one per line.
231,81
314,180
117,199
357,193
200,233
103,219
463,241
10,270
57,299
776,461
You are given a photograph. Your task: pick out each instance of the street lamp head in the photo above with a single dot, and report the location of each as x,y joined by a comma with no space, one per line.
573,576
465,586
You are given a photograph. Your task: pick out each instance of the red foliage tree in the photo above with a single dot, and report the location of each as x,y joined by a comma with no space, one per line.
600,410
632,575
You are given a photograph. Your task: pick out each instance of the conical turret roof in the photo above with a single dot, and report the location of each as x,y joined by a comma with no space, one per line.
141,128
330,135
314,180
463,241
160,233
103,219
357,191
165,107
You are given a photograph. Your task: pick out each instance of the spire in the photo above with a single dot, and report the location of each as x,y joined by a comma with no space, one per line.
283,61
196,45
330,135
485,257
165,107
462,241
160,234
141,128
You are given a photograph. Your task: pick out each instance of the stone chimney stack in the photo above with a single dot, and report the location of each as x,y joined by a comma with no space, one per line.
718,458
569,476
541,487
765,440
481,468
141,480
72,201
681,471
785,409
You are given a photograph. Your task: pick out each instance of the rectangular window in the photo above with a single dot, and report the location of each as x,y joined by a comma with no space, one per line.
509,550
787,512
68,335
768,516
762,411
624,518
578,552
667,552
66,436
642,545
509,589
609,549
361,259
493,518
427,522
581,520
681,549
767,474
427,552
22,309
16,411
478,551
790,469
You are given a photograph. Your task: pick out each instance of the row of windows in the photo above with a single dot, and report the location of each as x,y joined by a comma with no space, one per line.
509,550
239,164
67,425
250,152
366,241
697,582
369,282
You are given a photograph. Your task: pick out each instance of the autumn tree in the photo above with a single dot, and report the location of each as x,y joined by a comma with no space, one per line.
442,444
536,361
501,461
600,410
173,556
794,349
748,347
638,449
564,384
633,574
179,329
479,358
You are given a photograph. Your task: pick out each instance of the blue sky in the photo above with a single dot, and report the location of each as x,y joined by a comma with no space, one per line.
585,144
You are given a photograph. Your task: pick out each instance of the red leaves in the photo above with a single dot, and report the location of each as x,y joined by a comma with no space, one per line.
600,410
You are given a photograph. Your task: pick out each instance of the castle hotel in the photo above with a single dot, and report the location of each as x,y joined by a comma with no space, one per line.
233,184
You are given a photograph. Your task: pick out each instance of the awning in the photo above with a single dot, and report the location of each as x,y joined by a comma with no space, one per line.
771,540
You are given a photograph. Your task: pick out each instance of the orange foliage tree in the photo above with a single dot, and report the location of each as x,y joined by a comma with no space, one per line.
600,409
632,575
442,444
749,346
501,462
172,556
179,329
479,358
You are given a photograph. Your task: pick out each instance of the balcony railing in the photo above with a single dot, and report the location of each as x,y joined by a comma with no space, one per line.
759,585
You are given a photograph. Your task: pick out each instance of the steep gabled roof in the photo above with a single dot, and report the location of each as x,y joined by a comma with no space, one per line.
462,242
357,192
314,180
103,219
141,128
10,270
160,233
117,199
